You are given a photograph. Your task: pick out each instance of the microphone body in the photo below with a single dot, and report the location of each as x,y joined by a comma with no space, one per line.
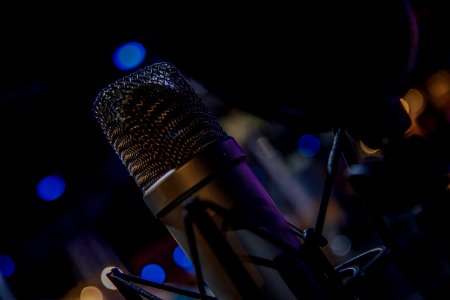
196,180
219,177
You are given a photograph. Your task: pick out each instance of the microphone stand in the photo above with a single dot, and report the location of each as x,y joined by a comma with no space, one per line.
341,282
196,213
355,270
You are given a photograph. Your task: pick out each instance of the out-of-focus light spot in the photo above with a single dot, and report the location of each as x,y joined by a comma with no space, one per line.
182,259
51,188
6,266
340,245
91,293
415,101
154,273
129,56
405,105
439,84
105,280
308,145
416,104
367,150
264,149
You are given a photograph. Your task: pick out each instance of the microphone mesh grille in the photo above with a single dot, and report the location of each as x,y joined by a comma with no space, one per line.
155,121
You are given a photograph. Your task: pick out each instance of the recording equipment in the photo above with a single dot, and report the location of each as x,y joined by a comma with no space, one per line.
196,180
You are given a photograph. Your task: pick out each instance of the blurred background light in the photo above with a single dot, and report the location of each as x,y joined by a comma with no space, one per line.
154,273
367,150
91,293
415,102
6,266
129,55
105,280
340,245
308,145
182,260
51,188
439,83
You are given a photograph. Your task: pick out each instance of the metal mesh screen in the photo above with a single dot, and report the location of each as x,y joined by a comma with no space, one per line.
155,121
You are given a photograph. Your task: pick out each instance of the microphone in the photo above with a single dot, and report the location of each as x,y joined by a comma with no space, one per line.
196,180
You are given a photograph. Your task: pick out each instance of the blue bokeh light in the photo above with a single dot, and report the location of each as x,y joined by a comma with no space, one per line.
154,273
182,260
308,145
129,55
6,266
51,188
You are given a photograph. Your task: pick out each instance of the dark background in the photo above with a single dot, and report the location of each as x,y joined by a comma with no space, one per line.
54,64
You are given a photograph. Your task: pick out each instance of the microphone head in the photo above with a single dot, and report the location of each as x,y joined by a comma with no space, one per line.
155,121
